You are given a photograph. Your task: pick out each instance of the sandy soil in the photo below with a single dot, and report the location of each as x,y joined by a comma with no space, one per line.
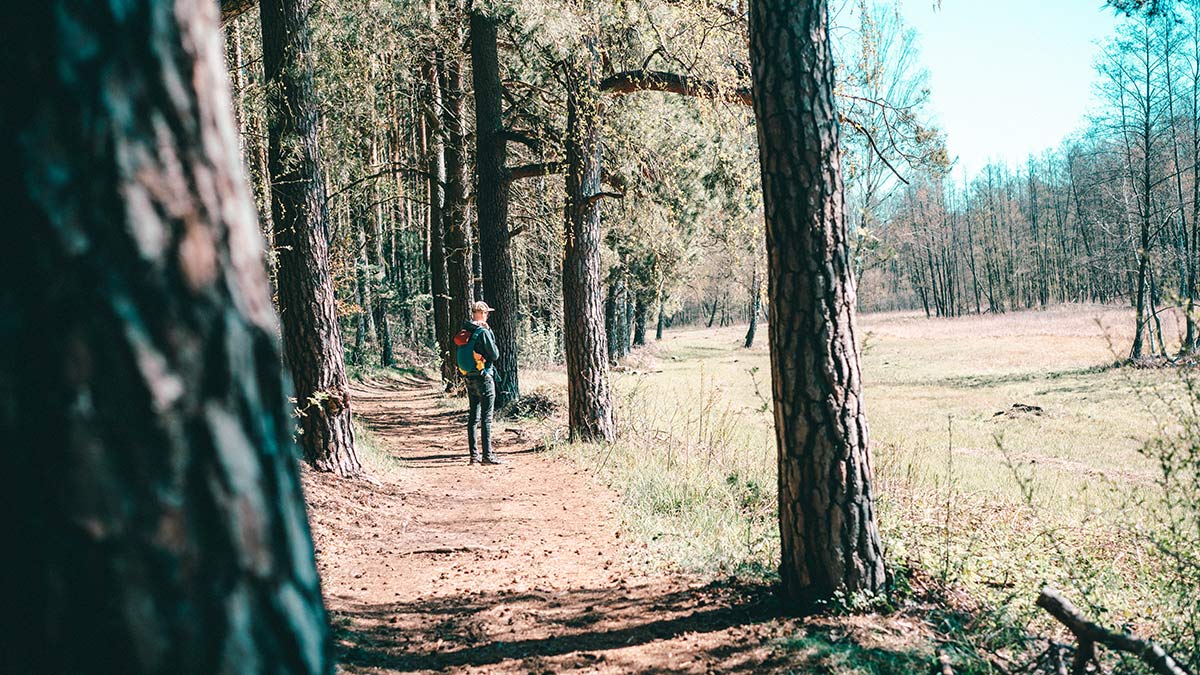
516,568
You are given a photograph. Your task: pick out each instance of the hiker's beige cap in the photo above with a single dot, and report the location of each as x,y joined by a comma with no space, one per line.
481,306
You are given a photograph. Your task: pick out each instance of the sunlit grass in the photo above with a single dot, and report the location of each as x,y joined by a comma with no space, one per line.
997,504
376,460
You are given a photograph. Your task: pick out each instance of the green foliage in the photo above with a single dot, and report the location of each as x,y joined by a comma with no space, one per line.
688,228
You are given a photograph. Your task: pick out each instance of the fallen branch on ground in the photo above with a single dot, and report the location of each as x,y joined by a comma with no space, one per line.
447,550
1088,633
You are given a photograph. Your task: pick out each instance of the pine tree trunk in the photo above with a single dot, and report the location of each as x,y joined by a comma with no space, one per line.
829,539
361,295
1191,337
262,189
627,321
435,169
611,318
476,263
455,217
491,198
662,309
589,398
755,303
379,285
639,320
154,516
312,344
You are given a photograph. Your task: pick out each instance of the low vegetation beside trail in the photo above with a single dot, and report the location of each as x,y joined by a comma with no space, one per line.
1010,451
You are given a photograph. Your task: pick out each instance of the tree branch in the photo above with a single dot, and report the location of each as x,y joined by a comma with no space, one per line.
616,180
1088,634
390,170
656,80
531,142
232,9
535,170
871,139
731,13
601,195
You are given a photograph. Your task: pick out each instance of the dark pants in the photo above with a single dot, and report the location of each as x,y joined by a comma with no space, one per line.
481,392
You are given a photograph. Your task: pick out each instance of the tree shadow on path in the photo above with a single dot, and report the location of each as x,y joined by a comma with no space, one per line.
576,628
523,569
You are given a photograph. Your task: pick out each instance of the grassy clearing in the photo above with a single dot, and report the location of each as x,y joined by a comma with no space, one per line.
994,504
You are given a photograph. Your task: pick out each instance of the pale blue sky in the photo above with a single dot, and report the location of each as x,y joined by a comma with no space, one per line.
1008,78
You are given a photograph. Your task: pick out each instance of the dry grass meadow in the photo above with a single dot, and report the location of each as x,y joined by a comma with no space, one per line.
989,500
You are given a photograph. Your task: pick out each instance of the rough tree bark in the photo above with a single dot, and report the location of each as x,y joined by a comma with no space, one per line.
755,306
829,538
589,397
312,344
491,199
456,217
155,496
435,170
639,320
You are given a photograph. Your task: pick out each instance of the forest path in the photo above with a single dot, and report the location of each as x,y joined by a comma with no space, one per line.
517,568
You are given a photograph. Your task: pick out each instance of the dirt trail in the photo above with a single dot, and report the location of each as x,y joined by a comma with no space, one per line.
513,568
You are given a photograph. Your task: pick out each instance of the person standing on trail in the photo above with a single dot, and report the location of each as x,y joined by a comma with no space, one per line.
476,356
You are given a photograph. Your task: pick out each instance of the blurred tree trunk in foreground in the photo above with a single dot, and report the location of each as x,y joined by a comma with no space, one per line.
156,516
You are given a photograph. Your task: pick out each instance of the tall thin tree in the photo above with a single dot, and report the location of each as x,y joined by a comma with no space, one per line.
491,198
456,213
589,398
312,344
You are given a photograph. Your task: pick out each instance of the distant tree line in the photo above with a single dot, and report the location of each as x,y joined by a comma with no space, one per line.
1109,216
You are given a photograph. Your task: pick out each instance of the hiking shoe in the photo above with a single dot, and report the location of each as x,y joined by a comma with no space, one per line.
474,460
493,460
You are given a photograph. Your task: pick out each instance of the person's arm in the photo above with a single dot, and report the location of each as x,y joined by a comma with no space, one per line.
486,345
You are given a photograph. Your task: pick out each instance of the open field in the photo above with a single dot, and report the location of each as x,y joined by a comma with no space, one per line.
993,503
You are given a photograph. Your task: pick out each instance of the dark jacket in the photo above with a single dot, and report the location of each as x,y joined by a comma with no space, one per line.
485,344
